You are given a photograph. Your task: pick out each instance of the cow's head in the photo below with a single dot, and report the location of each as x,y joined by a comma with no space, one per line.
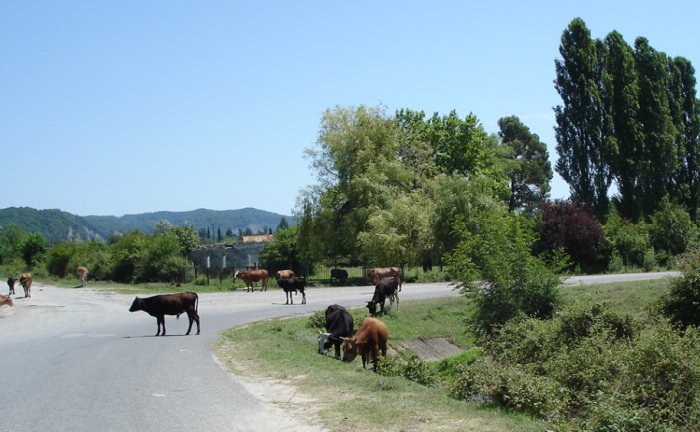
372,307
323,340
136,305
351,347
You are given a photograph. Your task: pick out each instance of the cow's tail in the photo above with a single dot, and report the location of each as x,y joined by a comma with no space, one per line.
196,303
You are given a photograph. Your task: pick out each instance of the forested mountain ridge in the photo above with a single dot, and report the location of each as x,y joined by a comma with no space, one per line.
57,225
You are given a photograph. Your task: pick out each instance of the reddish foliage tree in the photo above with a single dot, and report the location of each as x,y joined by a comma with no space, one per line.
571,227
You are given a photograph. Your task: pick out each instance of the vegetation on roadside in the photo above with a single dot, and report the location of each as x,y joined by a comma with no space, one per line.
607,360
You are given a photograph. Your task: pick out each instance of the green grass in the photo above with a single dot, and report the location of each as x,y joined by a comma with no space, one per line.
286,349
347,397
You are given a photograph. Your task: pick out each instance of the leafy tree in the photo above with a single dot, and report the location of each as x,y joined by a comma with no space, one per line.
570,227
659,158
32,248
11,238
583,131
623,97
685,112
671,229
186,237
401,233
494,264
527,165
127,254
282,252
283,224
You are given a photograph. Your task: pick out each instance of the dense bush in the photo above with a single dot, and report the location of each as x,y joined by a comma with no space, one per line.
407,365
628,241
496,269
591,369
671,230
564,225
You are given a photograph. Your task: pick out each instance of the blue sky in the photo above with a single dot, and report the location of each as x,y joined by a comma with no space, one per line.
122,107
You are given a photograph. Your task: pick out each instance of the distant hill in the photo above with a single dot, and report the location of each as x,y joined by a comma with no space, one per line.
58,226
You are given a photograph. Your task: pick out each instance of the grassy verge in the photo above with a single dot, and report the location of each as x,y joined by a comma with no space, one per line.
346,396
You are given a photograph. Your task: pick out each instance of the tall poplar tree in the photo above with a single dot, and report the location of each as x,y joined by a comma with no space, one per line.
685,110
624,106
583,129
659,157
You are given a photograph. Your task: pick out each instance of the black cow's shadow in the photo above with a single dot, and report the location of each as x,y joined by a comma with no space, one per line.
154,336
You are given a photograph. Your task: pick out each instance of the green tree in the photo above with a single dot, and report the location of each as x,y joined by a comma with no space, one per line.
283,224
32,248
624,101
527,165
584,124
494,263
282,252
659,156
685,112
11,238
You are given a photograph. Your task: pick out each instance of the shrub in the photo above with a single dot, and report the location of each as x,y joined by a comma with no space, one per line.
511,386
671,229
406,365
571,227
682,304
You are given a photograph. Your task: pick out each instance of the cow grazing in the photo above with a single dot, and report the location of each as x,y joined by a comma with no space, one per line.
284,274
11,283
339,276
82,275
6,300
26,281
339,324
169,304
252,276
370,338
375,275
292,285
386,288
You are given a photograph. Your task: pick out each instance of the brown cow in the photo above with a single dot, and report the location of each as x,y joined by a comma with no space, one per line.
375,275
82,275
251,276
284,274
26,281
6,300
369,339
169,304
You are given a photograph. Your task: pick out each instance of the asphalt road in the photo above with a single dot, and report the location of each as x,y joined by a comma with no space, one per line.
77,360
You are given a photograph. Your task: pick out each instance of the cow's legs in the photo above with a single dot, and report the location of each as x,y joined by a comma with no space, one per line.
303,298
161,322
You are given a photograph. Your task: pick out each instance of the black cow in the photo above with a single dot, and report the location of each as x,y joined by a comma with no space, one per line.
339,275
293,284
11,283
387,287
169,304
339,324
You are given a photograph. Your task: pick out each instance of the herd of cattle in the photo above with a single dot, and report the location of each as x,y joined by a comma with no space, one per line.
368,341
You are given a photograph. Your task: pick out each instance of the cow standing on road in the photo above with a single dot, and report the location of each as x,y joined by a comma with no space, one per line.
386,288
11,284
82,272
26,281
252,276
292,285
375,275
169,304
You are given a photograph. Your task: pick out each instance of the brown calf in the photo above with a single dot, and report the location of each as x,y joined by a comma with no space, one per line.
370,338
